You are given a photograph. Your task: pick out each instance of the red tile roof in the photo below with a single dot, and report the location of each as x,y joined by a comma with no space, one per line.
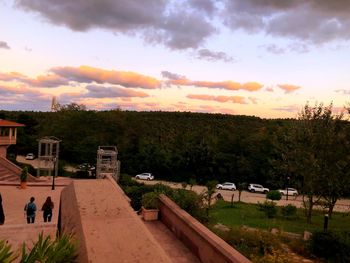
5,123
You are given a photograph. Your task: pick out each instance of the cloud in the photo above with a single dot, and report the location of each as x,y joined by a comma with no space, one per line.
173,76
23,98
221,99
294,47
48,81
4,45
253,100
86,74
274,49
206,54
208,6
343,91
289,108
288,88
157,21
228,85
312,21
95,91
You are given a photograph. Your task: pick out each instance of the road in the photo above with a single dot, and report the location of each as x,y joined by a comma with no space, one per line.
343,205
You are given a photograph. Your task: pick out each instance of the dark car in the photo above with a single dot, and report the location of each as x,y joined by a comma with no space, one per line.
86,167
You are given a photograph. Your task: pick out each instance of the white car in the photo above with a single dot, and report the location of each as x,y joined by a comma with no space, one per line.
30,156
145,176
289,191
226,186
257,188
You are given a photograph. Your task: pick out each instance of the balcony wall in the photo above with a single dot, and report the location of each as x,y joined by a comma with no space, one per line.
6,140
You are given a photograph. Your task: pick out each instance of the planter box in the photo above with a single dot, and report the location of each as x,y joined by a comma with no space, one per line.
149,214
23,185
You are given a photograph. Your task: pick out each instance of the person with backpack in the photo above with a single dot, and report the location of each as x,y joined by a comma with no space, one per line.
47,209
30,209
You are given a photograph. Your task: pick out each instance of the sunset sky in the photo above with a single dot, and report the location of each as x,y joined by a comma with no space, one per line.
266,58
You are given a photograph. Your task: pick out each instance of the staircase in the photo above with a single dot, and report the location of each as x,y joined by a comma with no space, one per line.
15,235
9,172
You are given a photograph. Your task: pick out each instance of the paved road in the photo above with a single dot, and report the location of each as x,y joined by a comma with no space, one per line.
342,205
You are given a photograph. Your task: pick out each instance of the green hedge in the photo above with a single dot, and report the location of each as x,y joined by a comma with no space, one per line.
333,246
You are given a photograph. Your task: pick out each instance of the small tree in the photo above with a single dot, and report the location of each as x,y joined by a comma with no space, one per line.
192,182
208,196
24,174
240,188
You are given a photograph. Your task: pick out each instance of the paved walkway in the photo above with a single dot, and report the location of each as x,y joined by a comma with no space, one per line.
175,249
14,200
16,230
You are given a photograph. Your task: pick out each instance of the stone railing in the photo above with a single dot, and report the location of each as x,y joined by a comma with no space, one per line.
207,246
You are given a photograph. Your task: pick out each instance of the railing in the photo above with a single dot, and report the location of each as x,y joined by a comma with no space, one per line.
207,246
4,140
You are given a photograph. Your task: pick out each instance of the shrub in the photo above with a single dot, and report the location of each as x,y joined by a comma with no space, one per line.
135,194
150,200
6,255
289,211
61,250
24,174
333,246
274,195
251,243
269,208
191,202
126,180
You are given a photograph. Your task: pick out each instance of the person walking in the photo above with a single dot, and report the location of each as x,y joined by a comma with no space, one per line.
30,209
2,214
47,209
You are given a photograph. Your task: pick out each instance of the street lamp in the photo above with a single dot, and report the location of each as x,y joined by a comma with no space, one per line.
54,171
288,178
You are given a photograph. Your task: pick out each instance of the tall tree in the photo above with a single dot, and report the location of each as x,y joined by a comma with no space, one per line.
315,152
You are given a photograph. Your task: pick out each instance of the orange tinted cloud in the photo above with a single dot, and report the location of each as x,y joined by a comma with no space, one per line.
288,88
50,80
88,74
221,99
228,85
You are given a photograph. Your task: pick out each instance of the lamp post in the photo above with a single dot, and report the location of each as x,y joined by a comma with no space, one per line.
288,178
54,171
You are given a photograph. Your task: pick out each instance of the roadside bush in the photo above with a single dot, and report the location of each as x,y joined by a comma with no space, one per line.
333,246
126,180
269,208
274,195
289,211
191,202
135,194
254,244
163,189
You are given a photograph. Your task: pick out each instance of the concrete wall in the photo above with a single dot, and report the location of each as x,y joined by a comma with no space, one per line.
69,220
207,246
101,218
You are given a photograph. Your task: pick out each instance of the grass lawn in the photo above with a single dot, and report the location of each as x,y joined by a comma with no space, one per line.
249,215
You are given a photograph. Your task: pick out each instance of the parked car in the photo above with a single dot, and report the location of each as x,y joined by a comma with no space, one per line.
145,176
30,156
257,188
226,186
86,167
289,191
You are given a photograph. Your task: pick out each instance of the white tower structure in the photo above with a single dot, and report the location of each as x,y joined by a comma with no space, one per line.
54,104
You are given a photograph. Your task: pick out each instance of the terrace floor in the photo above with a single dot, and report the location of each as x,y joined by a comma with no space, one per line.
16,230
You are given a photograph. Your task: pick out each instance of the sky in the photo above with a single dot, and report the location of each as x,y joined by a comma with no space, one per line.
265,58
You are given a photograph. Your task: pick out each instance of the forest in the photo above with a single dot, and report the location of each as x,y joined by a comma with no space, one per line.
183,146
